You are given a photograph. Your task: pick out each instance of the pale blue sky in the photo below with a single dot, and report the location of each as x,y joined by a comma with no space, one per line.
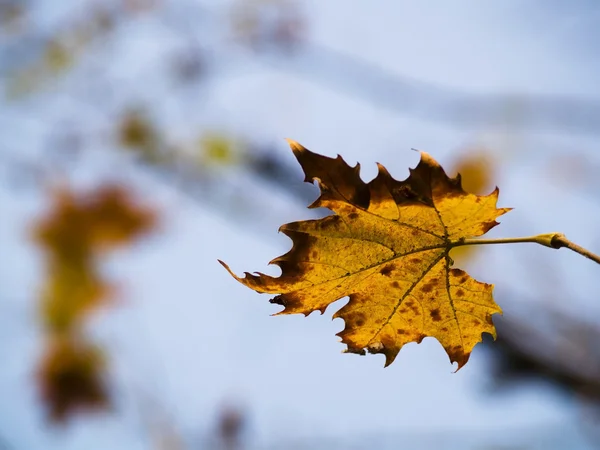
189,337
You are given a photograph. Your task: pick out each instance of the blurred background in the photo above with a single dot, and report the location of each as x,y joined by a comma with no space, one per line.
140,140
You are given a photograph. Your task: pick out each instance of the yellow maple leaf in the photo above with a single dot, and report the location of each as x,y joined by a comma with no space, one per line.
386,247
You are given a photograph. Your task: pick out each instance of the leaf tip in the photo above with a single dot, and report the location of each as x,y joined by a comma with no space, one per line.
230,271
295,146
390,355
461,360
225,265
428,160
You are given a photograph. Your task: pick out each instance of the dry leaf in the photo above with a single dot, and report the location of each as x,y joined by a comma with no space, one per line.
386,247
78,226
73,234
70,378
69,294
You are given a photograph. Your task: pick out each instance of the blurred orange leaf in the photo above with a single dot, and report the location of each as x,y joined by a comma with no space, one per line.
73,233
69,294
476,168
78,226
70,378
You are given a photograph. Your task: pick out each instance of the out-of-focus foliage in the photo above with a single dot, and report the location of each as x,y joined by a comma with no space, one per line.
386,247
12,16
476,167
138,133
230,428
71,291
62,50
70,377
266,23
58,54
74,233
78,226
219,149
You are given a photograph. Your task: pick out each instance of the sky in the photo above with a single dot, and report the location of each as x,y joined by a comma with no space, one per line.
189,338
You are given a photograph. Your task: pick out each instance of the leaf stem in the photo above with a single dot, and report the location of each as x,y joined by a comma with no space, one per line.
551,240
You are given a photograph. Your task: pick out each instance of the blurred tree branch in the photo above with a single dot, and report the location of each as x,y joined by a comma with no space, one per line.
282,44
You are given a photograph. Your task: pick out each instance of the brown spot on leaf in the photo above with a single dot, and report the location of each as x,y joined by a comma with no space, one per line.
395,284
460,293
419,338
400,331
314,254
444,329
456,272
353,215
385,271
427,287
414,308
415,260
359,319
435,315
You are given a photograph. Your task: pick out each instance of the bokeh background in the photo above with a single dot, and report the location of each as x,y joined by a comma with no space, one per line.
140,140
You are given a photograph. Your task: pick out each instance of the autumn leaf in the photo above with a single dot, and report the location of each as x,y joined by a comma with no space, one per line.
80,226
69,294
386,247
70,377
74,233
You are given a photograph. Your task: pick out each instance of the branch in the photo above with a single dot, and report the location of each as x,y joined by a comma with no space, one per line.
559,240
551,240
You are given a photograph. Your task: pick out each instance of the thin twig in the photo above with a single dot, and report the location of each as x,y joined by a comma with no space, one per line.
560,240
552,240
541,239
